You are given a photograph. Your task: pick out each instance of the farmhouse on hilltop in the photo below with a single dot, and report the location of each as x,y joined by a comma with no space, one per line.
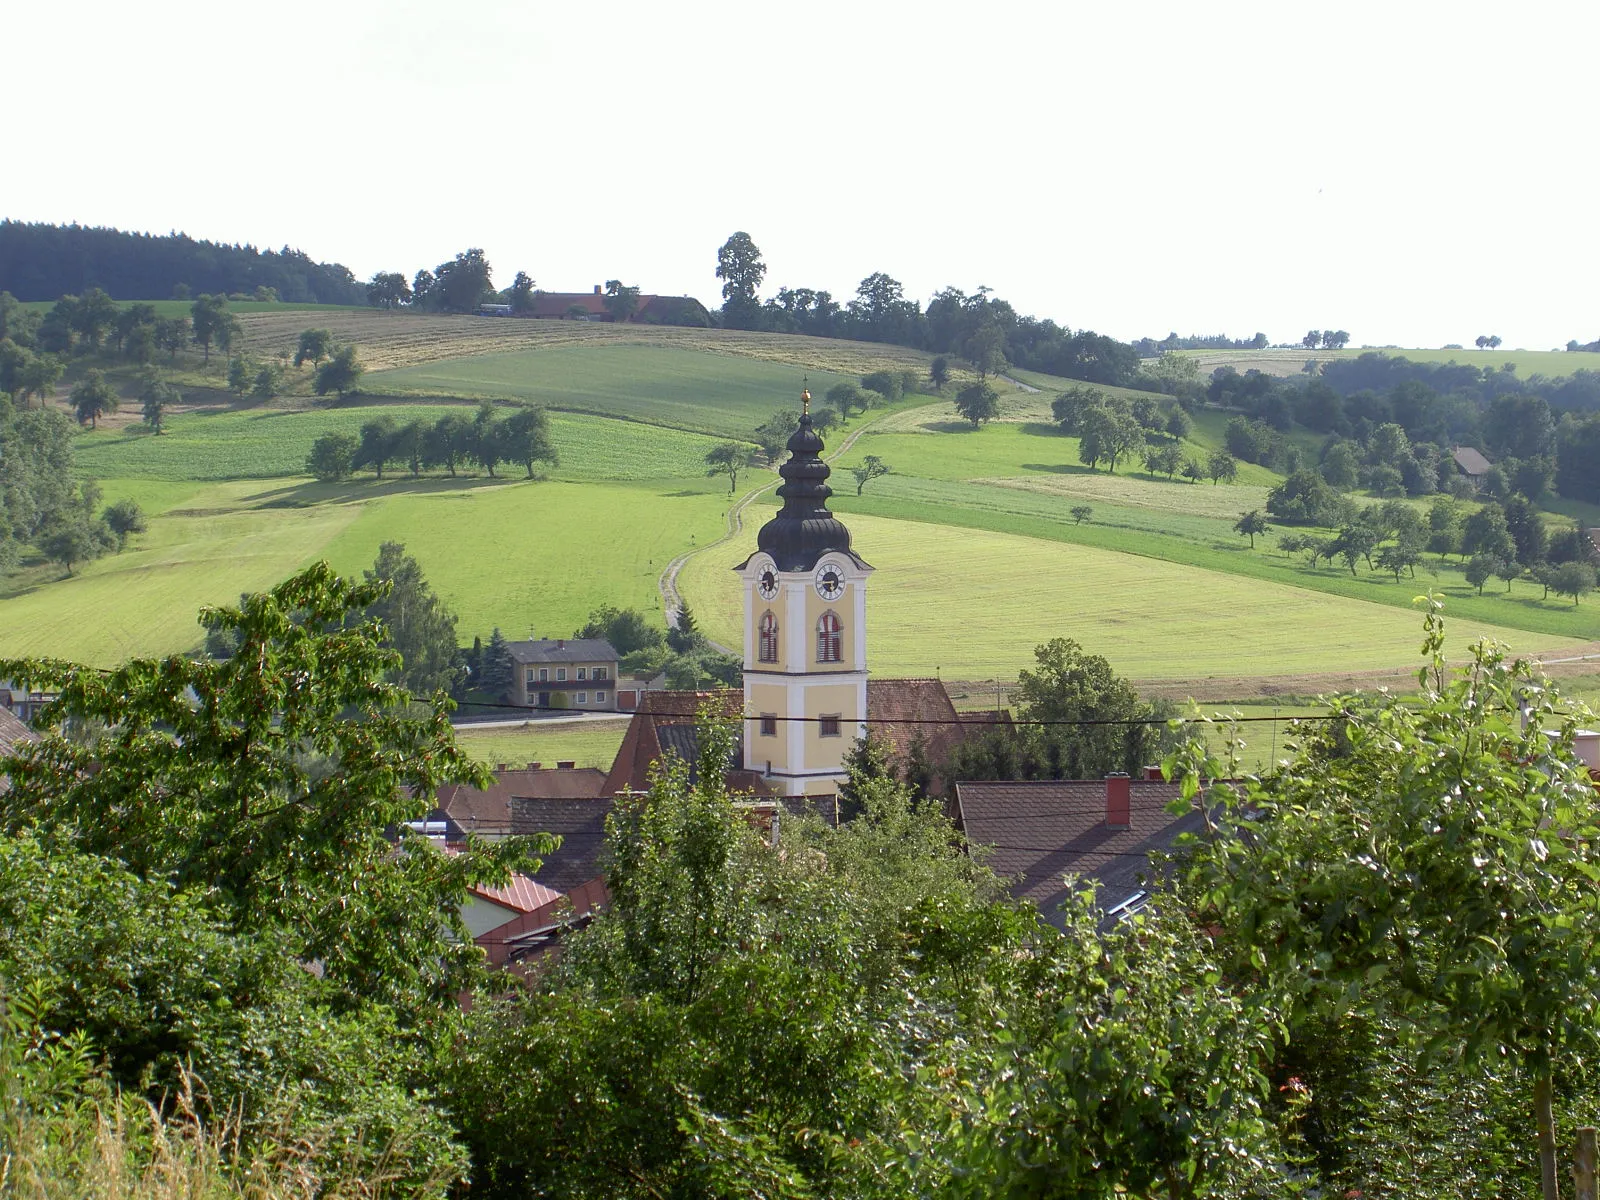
591,306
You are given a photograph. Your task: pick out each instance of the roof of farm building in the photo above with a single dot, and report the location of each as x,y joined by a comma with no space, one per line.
562,650
664,310
1470,460
488,812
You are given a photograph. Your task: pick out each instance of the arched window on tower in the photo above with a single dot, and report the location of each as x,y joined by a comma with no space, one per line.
767,651
830,640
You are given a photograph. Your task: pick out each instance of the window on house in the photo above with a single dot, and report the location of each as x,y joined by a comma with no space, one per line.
544,674
561,674
583,672
598,673
530,675
599,697
583,697
769,724
828,725
830,640
768,650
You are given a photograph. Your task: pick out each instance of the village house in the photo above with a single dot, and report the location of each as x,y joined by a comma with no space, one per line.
1472,464
591,306
577,673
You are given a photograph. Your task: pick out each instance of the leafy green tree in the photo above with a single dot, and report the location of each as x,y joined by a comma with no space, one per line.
92,398
408,445
333,456
172,334
730,458
627,629
1305,498
871,467
978,402
986,350
268,381
240,372
1221,465
124,518
1179,424
1340,467
388,289
1356,874
270,784
939,372
377,444
1081,513
621,301
1485,532
314,346
773,435
741,270
93,316
522,293
156,396
847,398
449,442
1479,568
211,322
1107,433
74,538
1072,405
1192,470
1251,524
683,635
416,624
340,374
1164,459
525,439
459,285
1400,557
1574,579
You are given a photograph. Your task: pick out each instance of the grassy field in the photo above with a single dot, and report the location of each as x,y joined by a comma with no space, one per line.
1291,362
182,308
662,385
972,604
589,743
268,443
391,340
521,556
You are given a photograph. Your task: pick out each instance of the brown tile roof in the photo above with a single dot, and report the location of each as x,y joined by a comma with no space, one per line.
489,813
644,741
581,825
1040,831
916,708
13,732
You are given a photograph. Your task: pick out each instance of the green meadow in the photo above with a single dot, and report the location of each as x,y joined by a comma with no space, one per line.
1289,361
972,604
523,556
269,443
587,743
726,396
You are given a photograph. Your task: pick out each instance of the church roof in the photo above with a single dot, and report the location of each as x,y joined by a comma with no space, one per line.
804,530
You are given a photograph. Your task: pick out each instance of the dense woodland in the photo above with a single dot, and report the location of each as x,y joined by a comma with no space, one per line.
43,262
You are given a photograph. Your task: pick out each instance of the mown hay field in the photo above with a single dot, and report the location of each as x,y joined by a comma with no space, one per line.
659,384
271,442
523,556
1292,362
390,340
972,604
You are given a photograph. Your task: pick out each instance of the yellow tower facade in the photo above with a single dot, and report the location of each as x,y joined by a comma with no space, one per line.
805,632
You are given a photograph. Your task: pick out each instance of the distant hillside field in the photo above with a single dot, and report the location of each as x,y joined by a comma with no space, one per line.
1292,362
661,384
972,604
391,340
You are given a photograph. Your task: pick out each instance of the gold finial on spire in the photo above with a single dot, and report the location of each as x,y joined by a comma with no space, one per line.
805,396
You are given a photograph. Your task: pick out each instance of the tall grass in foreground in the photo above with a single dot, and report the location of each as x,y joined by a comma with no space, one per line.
68,1134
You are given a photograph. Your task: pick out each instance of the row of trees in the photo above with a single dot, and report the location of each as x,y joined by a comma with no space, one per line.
985,331
453,440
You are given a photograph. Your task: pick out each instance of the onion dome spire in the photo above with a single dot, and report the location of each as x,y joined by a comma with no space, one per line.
804,530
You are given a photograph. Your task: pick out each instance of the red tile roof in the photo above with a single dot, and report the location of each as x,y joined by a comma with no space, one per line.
1039,832
534,931
522,893
13,733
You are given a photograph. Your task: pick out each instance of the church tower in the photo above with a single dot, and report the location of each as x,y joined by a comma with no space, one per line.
805,632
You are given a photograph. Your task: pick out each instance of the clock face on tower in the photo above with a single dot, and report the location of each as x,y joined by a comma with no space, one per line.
767,583
829,581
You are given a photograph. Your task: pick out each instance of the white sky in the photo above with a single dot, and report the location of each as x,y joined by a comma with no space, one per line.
1415,173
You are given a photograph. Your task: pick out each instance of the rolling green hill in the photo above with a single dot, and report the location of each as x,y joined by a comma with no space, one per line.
1290,362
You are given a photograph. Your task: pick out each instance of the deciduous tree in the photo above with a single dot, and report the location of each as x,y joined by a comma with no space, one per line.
340,374
314,346
978,402
730,458
525,439
1251,524
333,456
92,398
741,270
621,301
870,468
155,397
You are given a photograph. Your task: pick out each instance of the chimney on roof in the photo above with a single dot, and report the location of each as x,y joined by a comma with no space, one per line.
533,766
566,764
1119,801
561,643
1153,774
597,289
500,768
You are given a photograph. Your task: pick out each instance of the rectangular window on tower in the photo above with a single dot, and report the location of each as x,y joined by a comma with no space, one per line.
769,724
828,725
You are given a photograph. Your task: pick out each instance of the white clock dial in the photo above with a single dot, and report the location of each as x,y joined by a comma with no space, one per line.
767,582
829,581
